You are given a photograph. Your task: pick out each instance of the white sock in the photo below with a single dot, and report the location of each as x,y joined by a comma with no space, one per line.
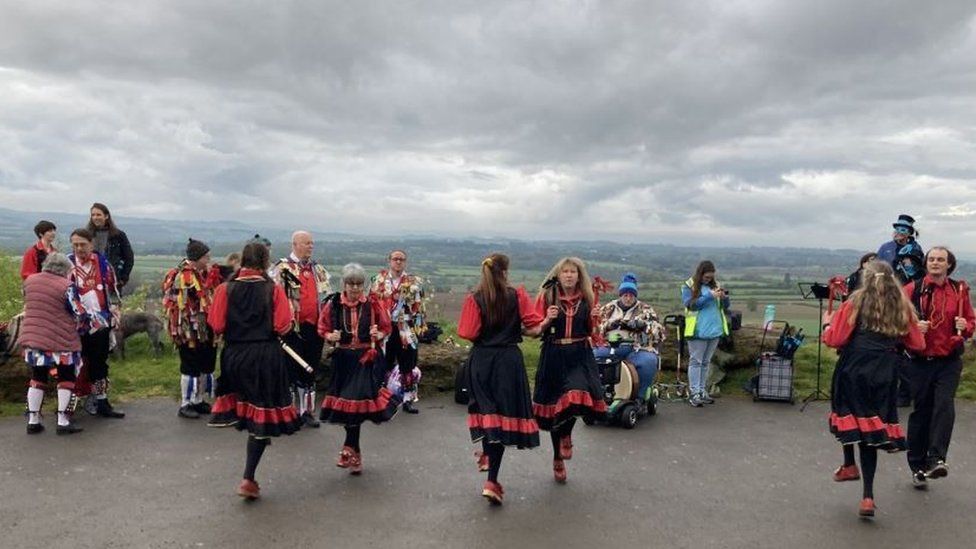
310,400
198,391
64,399
302,402
35,397
186,390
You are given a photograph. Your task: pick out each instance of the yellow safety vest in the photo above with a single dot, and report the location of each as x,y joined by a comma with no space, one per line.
691,317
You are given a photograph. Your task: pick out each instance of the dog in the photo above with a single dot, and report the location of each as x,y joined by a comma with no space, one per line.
9,334
133,323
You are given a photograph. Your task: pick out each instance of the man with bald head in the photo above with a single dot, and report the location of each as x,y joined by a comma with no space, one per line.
306,284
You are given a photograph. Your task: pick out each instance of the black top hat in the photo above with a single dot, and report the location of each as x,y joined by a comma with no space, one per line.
906,221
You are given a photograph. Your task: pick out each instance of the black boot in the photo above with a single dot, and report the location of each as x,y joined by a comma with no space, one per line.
69,429
104,408
408,408
35,428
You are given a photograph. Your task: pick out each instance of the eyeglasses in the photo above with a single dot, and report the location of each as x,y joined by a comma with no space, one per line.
354,284
398,259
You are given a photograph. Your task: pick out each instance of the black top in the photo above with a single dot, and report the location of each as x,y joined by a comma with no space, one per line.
250,311
507,330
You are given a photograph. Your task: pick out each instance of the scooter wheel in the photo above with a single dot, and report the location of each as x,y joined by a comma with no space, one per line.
652,407
628,416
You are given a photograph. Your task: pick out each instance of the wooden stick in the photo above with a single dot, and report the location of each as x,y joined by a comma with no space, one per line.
291,352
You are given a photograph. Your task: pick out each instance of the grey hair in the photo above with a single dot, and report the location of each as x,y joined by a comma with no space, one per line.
57,263
353,272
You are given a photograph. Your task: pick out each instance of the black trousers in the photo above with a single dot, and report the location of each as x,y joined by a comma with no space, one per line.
94,351
307,343
404,356
198,360
934,383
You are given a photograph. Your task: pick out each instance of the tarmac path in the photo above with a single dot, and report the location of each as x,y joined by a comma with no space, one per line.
736,474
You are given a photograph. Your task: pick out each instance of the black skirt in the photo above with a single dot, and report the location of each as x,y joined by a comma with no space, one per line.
253,392
567,384
500,408
864,393
357,391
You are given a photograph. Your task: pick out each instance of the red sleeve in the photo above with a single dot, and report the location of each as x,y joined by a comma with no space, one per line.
217,317
28,265
914,340
382,317
282,310
840,330
470,324
531,317
325,319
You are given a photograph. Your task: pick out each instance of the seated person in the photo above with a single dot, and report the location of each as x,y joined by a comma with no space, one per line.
634,324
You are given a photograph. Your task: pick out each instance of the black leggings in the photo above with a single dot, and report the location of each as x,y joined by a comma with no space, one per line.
41,374
869,465
494,452
565,430
352,437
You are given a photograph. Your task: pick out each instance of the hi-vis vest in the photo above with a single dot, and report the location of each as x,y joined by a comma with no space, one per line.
691,317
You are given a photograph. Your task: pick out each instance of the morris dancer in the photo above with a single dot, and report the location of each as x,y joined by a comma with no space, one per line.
306,283
567,382
250,312
94,280
403,296
35,255
500,410
355,323
187,296
870,329
49,336
947,321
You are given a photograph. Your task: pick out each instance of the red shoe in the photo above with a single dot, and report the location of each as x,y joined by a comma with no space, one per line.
559,470
345,457
867,507
482,461
356,464
566,447
493,492
847,472
249,490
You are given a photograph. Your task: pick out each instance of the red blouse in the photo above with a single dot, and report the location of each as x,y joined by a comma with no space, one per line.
217,316
470,324
840,331
381,318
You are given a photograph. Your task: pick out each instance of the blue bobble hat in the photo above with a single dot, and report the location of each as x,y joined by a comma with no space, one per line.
628,285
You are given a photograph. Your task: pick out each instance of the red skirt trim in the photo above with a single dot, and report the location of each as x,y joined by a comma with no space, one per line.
864,425
247,411
495,421
378,404
571,398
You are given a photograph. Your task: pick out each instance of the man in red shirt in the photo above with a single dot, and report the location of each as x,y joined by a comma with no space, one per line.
94,280
946,318
306,283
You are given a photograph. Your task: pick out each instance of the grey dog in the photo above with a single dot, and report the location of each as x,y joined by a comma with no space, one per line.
133,323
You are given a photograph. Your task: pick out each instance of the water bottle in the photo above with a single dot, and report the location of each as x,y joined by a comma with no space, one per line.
769,316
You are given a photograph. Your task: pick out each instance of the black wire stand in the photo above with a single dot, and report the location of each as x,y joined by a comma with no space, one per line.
820,292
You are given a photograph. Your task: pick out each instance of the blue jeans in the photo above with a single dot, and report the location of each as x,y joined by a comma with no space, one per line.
701,351
645,362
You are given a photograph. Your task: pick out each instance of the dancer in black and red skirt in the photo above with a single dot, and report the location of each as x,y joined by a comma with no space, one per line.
354,322
251,312
567,382
871,331
500,409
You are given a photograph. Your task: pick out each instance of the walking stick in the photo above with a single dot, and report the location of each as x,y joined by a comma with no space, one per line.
963,290
295,356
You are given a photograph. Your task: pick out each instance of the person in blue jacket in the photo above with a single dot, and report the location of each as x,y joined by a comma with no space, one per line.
705,304
903,252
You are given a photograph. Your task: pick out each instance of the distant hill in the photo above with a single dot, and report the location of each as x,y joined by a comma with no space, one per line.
650,261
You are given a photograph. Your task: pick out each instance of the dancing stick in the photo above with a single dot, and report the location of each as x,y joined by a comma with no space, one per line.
291,352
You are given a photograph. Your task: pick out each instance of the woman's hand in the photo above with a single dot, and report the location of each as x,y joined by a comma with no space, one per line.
551,313
923,326
375,333
717,293
960,323
333,336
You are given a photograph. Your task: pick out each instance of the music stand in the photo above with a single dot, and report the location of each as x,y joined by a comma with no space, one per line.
820,292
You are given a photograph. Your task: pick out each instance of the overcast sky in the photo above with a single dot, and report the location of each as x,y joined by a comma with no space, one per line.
739,122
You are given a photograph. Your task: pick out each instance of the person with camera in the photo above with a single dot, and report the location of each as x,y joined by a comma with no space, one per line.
870,330
705,304
946,319
634,326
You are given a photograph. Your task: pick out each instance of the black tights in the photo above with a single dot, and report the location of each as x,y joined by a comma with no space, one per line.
494,451
564,430
869,464
255,449
352,436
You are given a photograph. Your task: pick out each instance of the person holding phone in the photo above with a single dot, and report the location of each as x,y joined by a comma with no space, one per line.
705,304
